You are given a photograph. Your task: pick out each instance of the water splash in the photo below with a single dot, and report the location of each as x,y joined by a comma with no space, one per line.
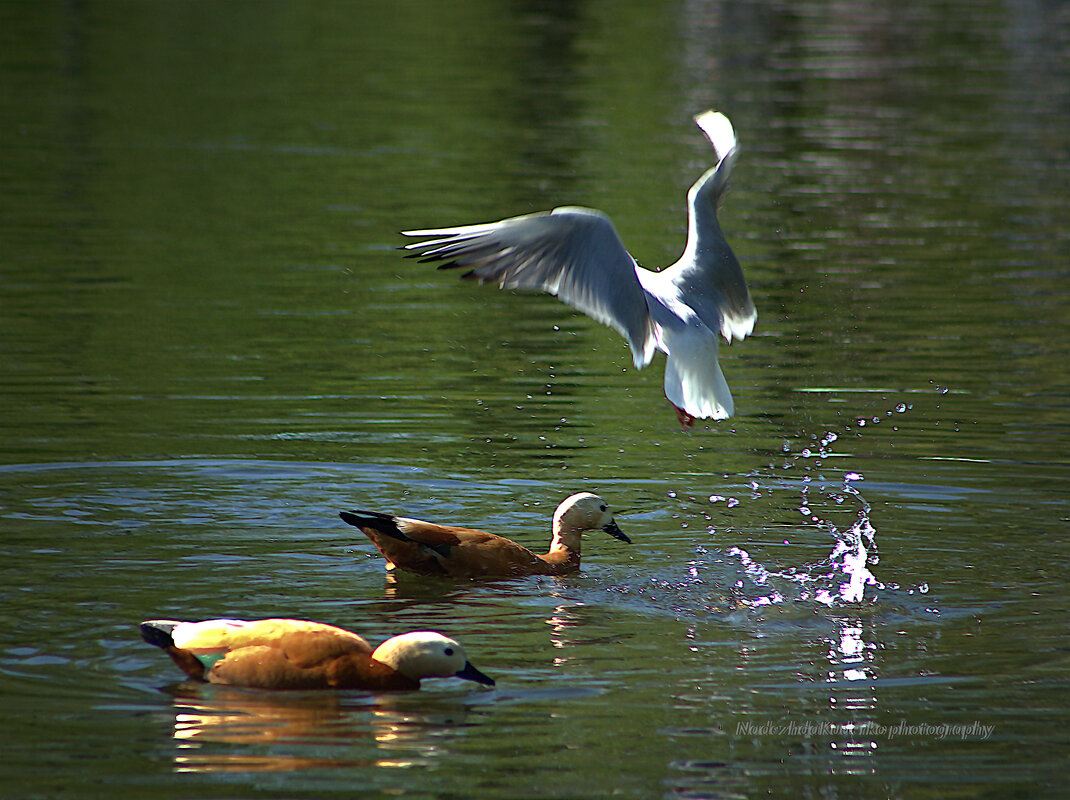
733,576
718,581
840,578
845,576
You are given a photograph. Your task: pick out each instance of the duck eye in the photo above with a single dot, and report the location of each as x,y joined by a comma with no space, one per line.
603,506
449,651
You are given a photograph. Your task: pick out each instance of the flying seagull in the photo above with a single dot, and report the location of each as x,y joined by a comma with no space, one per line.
576,254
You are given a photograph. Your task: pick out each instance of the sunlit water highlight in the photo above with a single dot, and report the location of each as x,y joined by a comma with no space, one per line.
718,580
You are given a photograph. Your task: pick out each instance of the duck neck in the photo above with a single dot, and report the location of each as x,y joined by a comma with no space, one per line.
564,547
390,654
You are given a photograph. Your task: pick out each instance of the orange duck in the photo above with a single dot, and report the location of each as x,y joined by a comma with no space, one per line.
430,549
296,654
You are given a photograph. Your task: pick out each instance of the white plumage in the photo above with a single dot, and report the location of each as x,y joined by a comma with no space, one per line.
576,254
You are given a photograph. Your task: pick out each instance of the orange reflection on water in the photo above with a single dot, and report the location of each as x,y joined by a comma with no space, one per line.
224,729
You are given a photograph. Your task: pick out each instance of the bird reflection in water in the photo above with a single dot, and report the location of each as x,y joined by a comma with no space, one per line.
561,621
225,729
853,700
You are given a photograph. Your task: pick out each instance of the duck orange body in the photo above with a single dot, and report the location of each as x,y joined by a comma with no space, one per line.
298,654
430,549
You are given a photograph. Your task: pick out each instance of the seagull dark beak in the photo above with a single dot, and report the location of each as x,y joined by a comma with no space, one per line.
615,532
470,673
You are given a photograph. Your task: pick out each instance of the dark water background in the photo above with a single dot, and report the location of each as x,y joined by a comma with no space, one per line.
209,345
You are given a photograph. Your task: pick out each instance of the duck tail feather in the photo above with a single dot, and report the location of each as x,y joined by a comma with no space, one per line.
158,632
385,524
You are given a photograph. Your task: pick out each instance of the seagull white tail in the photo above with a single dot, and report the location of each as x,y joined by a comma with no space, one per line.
693,378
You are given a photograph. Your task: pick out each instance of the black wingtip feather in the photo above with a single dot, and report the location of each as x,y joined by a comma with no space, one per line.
386,524
158,632
376,520
359,518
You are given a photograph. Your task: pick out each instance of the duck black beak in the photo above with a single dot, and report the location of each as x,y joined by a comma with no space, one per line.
615,532
470,673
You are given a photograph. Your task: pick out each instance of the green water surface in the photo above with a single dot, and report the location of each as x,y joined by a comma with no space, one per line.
209,345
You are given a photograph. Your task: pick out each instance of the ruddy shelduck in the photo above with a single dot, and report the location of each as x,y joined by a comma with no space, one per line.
424,547
298,654
576,254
